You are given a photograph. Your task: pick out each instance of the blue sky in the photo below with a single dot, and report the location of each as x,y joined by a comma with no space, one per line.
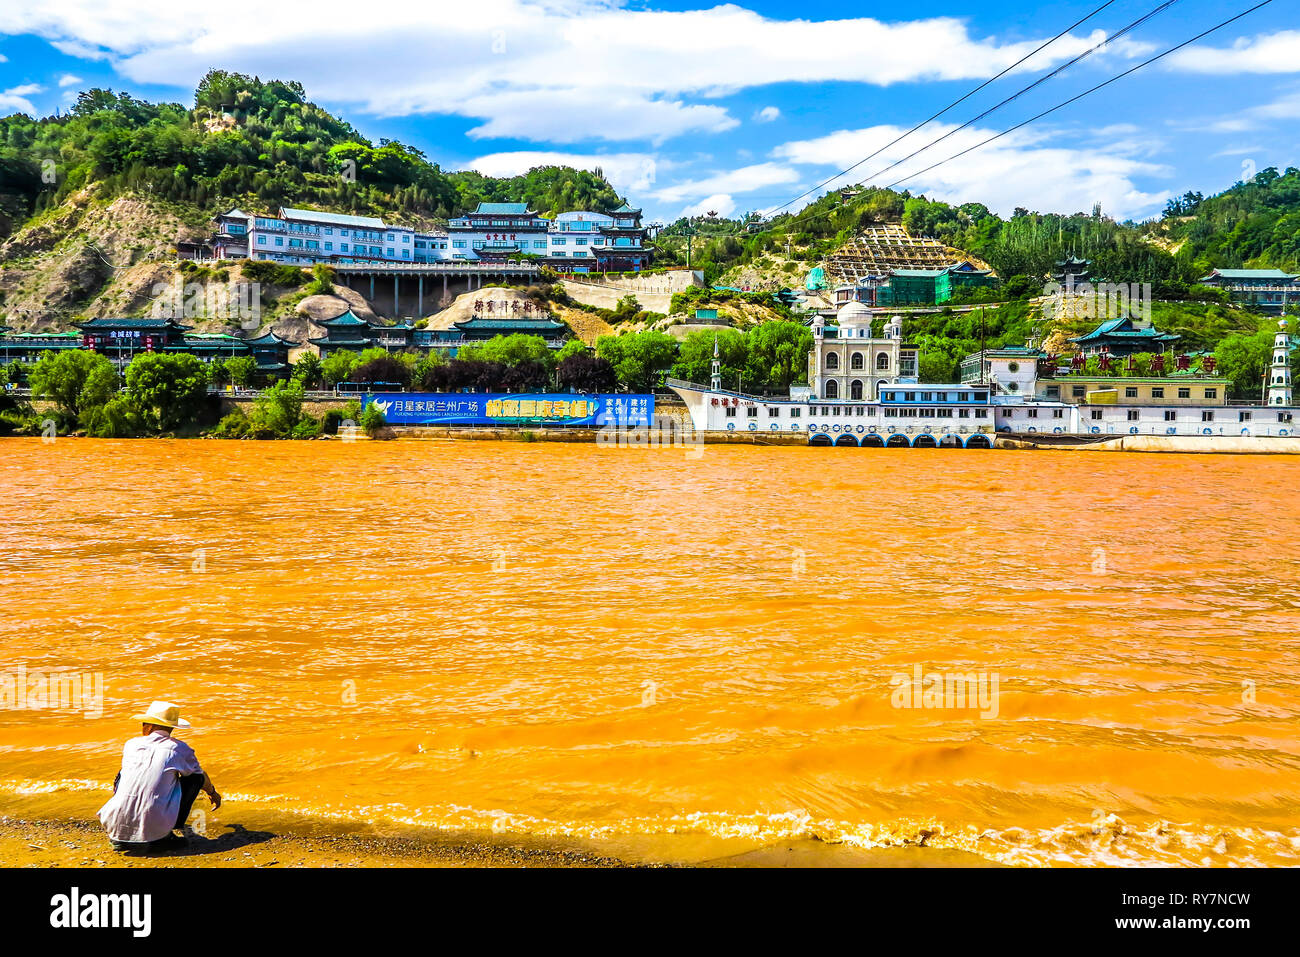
689,107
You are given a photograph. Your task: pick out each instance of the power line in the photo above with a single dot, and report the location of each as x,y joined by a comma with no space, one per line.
997,106
1079,96
1038,116
960,99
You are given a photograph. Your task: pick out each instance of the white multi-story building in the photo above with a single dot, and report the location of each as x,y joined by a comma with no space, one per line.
577,241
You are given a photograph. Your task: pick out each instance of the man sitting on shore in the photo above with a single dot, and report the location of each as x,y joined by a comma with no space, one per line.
159,780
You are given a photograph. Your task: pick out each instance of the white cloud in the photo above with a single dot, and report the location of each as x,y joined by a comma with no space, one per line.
1266,53
743,180
1021,169
14,99
1253,117
719,203
561,70
767,114
69,80
626,172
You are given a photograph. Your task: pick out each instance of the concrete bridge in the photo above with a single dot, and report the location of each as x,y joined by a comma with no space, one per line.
445,281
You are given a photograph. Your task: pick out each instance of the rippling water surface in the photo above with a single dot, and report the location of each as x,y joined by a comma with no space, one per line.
564,639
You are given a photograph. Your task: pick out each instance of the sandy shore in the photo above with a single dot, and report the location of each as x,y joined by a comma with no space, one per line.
29,837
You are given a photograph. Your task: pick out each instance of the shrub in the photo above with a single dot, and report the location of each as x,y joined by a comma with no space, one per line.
233,426
372,420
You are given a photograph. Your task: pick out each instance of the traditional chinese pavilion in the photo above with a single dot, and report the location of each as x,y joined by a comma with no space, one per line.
1123,337
350,333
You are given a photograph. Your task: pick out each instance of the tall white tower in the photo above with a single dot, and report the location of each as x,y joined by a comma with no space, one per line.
715,371
1279,374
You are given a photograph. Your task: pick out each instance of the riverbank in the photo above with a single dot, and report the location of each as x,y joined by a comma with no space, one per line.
271,839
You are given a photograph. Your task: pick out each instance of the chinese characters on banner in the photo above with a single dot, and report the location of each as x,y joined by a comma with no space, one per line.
411,408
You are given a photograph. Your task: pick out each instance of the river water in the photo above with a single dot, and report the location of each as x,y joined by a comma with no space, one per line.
643,645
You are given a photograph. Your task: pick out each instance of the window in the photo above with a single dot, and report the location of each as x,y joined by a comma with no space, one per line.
731,411
1243,416
1013,366
390,252
261,240
963,413
343,232
773,412
1132,415
1096,414
329,246
1053,391
981,413
539,243
1033,413
558,242
1130,392
796,413
1207,415
329,231
1184,393
856,361
832,391
751,411
1158,392
458,244
1170,415
1211,393
855,389
390,237
1078,391
343,247
832,361
1058,413
882,362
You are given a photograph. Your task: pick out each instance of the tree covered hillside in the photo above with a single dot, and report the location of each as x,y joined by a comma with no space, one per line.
252,141
1255,224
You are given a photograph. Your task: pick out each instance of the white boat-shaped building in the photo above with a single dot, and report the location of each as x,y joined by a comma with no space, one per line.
863,390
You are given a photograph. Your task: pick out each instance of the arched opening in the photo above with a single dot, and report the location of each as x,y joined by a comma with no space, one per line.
872,441
857,362
897,441
924,442
832,360
979,441
819,438
950,441
855,389
882,362
846,440
832,389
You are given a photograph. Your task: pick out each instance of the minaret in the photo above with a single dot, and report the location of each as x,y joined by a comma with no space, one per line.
1279,375
715,377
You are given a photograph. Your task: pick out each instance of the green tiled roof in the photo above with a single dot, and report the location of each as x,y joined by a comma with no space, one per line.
504,209
1249,274
336,219
509,325
129,324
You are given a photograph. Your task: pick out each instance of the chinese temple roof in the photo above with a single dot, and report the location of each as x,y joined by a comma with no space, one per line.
1124,329
151,323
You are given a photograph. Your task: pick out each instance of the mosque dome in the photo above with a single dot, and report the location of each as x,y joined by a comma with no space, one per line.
853,313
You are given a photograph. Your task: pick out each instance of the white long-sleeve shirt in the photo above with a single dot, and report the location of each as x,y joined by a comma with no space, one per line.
148,796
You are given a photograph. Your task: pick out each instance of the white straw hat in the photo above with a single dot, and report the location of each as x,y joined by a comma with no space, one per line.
164,714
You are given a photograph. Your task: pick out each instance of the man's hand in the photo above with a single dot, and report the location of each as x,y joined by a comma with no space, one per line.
210,790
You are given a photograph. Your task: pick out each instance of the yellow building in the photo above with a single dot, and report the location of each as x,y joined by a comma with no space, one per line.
1113,390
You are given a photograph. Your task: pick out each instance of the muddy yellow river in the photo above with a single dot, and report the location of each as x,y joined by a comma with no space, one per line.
619,644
